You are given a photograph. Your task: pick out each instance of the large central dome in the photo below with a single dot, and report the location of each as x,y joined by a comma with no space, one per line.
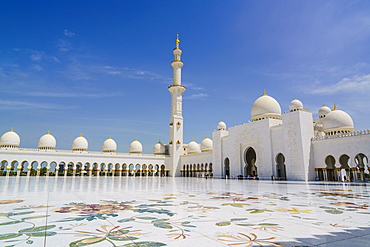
265,107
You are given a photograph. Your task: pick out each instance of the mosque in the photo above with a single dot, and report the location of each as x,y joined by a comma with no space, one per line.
289,146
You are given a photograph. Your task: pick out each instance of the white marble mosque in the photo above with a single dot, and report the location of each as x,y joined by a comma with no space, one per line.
288,146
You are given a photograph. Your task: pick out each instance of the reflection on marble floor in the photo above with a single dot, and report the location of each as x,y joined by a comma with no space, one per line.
153,211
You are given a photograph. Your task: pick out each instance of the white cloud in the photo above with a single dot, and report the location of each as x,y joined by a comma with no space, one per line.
36,57
37,67
359,84
56,59
64,45
9,104
192,86
67,95
130,72
69,34
197,96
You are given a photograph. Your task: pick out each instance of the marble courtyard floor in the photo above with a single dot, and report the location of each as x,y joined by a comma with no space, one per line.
152,211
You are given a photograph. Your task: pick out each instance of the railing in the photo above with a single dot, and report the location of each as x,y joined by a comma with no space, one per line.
341,135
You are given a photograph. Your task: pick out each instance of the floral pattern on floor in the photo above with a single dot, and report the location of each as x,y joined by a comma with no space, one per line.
178,212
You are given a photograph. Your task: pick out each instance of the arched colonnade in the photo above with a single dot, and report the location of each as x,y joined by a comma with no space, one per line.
197,170
44,168
342,168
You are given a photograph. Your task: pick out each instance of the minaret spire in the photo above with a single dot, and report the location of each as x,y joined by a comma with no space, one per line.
176,148
177,41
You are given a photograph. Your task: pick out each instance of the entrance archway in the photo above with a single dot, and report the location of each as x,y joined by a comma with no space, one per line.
345,173
330,168
227,167
361,162
280,167
250,159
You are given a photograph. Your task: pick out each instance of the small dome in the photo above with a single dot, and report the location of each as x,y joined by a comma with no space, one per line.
193,147
47,141
109,145
136,147
221,126
323,111
159,148
337,121
10,139
80,144
206,145
295,105
265,107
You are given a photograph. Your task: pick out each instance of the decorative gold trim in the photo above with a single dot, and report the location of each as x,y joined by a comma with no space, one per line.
177,86
178,142
170,142
177,61
178,123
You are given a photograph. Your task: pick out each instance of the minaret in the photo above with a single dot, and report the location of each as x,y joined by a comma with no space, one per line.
176,120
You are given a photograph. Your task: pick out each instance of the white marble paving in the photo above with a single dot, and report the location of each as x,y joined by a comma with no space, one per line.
153,211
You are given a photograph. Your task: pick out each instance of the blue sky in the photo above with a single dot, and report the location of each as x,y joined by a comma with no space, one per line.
101,68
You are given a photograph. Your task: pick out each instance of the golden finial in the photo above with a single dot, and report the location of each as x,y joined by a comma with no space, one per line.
12,129
110,137
177,40
207,137
294,98
159,141
80,134
335,107
48,132
264,92
192,139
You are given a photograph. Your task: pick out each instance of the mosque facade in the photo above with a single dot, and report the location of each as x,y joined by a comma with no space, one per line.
289,146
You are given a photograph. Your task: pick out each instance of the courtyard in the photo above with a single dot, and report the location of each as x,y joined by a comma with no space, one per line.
166,211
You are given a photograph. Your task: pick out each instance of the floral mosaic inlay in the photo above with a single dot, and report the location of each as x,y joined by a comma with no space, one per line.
183,218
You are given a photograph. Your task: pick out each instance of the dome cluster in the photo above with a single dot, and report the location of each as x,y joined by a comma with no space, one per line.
11,139
205,146
331,121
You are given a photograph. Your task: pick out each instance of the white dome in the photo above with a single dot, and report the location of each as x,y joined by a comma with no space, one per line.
295,105
159,148
109,145
193,147
47,141
221,126
323,111
265,107
10,139
80,144
206,145
136,147
337,121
